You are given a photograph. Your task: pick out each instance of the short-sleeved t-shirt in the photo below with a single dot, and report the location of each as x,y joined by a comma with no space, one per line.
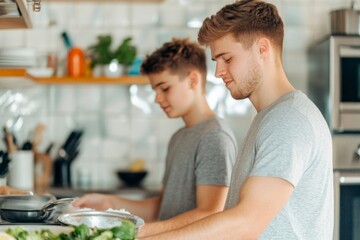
291,140
200,155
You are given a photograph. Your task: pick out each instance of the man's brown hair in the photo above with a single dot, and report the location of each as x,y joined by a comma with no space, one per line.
179,56
246,20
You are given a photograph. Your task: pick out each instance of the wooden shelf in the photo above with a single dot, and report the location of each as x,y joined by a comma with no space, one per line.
15,78
93,80
14,75
13,72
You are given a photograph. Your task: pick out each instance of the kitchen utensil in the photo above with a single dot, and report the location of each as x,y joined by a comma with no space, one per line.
27,145
21,172
25,209
38,136
98,219
9,141
67,41
345,21
66,155
4,164
130,178
49,148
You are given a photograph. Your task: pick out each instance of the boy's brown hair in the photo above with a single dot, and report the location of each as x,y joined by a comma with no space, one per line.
246,20
179,56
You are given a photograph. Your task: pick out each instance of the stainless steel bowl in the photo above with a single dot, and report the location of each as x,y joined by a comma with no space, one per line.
98,219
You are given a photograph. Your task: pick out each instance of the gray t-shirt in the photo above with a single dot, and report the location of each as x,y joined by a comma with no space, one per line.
291,140
201,155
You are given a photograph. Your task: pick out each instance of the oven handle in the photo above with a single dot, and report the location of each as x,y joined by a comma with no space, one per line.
347,51
349,180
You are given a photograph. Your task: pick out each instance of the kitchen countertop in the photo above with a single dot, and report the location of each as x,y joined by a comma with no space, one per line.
135,193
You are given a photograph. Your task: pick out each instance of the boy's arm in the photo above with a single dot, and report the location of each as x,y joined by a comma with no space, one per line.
210,199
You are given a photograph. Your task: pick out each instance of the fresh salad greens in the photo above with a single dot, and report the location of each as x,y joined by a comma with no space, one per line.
126,231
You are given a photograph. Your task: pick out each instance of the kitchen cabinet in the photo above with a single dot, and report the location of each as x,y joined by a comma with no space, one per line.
14,78
14,22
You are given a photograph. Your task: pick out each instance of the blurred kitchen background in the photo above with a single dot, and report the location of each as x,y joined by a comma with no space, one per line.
120,122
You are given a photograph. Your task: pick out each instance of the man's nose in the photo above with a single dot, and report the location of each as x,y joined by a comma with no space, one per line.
219,71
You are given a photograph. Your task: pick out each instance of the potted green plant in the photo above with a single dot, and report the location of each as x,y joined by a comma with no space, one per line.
102,54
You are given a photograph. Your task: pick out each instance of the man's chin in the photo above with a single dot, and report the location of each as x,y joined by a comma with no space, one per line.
237,96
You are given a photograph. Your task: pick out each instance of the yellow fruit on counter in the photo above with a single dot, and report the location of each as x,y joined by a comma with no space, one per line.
5,236
137,166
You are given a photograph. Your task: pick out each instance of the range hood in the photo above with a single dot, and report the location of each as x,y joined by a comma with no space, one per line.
14,13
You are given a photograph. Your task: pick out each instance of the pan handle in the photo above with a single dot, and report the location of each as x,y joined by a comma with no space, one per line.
52,204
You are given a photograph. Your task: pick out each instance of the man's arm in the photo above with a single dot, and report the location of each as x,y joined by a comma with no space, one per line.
261,198
148,209
210,199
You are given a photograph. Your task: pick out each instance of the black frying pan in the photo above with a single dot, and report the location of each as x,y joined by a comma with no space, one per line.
28,209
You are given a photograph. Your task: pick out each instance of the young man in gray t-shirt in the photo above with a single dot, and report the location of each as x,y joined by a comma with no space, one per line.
281,185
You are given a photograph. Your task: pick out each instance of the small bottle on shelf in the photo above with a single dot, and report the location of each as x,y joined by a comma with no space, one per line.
76,62
75,58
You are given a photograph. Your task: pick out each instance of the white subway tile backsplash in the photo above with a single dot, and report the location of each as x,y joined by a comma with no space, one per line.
63,99
115,150
297,39
91,149
12,38
145,39
297,73
141,98
166,34
89,99
196,15
297,14
173,15
91,15
144,15
117,127
59,127
115,100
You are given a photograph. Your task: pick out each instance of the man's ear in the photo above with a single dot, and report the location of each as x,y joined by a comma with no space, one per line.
263,45
195,79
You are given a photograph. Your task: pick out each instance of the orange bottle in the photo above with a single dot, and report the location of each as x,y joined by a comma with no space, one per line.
76,62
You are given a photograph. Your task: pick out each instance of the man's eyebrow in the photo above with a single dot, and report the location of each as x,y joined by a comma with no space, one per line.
217,56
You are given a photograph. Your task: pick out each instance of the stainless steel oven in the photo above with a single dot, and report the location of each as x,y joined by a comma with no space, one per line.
347,186
334,86
334,82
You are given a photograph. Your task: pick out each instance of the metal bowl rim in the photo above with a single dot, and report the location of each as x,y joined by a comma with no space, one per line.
137,220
